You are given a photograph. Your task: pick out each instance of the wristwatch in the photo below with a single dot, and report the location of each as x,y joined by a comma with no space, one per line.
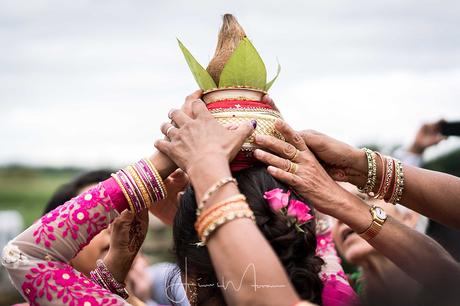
378,219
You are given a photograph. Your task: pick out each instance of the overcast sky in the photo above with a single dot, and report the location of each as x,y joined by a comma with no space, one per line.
89,82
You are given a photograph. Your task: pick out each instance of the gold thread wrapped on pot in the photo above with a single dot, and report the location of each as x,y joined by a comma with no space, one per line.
265,122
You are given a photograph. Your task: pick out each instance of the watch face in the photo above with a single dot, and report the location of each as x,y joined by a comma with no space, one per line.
380,213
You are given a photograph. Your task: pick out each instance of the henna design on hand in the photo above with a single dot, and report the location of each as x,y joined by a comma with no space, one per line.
136,235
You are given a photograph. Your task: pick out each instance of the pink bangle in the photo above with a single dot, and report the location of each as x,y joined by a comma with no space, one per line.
141,185
102,276
124,178
151,179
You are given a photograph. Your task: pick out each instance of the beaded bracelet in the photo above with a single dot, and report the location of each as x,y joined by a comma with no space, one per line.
212,190
232,199
233,206
141,185
102,276
223,218
398,183
392,175
371,172
220,213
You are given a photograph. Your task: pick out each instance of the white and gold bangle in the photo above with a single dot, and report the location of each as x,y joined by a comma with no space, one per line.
399,182
371,172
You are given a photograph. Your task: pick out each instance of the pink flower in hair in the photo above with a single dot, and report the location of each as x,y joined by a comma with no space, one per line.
277,199
299,211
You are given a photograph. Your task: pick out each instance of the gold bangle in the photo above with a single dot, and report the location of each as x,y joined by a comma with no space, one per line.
399,183
371,172
234,198
382,180
224,218
158,178
205,222
216,186
125,193
389,175
225,206
140,184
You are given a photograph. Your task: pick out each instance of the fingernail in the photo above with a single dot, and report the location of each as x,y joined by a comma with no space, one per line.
257,138
254,123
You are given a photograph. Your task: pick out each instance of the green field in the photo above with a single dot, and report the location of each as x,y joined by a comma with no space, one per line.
28,190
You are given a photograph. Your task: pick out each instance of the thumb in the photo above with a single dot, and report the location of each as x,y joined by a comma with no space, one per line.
246,129
240,135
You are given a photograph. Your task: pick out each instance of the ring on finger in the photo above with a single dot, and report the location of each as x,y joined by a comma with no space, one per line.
296,153
293,168
169,130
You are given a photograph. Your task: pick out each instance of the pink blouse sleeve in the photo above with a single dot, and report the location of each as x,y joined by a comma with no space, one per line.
37,260
337,291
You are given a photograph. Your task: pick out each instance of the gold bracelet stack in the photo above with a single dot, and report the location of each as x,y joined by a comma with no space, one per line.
391,186
212,190
398,183
232,208
371,172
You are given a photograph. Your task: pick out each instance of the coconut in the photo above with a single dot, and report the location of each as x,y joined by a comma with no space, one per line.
230,35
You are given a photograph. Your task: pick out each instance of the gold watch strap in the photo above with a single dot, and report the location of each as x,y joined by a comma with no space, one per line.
371,231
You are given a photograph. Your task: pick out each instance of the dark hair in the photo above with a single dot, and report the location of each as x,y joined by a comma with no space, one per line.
71,189
295,249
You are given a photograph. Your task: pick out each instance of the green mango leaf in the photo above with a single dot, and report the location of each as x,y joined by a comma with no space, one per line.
202,77
244,68
269,84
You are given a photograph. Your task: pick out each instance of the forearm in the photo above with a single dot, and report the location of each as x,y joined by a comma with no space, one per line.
163,164
247,267
433,194
57,237
37,259
418,255
407,248
254,274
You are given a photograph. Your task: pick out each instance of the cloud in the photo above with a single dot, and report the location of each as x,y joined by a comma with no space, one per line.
89,82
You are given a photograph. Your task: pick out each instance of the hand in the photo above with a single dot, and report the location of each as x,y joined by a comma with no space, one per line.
342,161
307,177
266,99
128,234
428,135
165,210
187,106
161,160
200,139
